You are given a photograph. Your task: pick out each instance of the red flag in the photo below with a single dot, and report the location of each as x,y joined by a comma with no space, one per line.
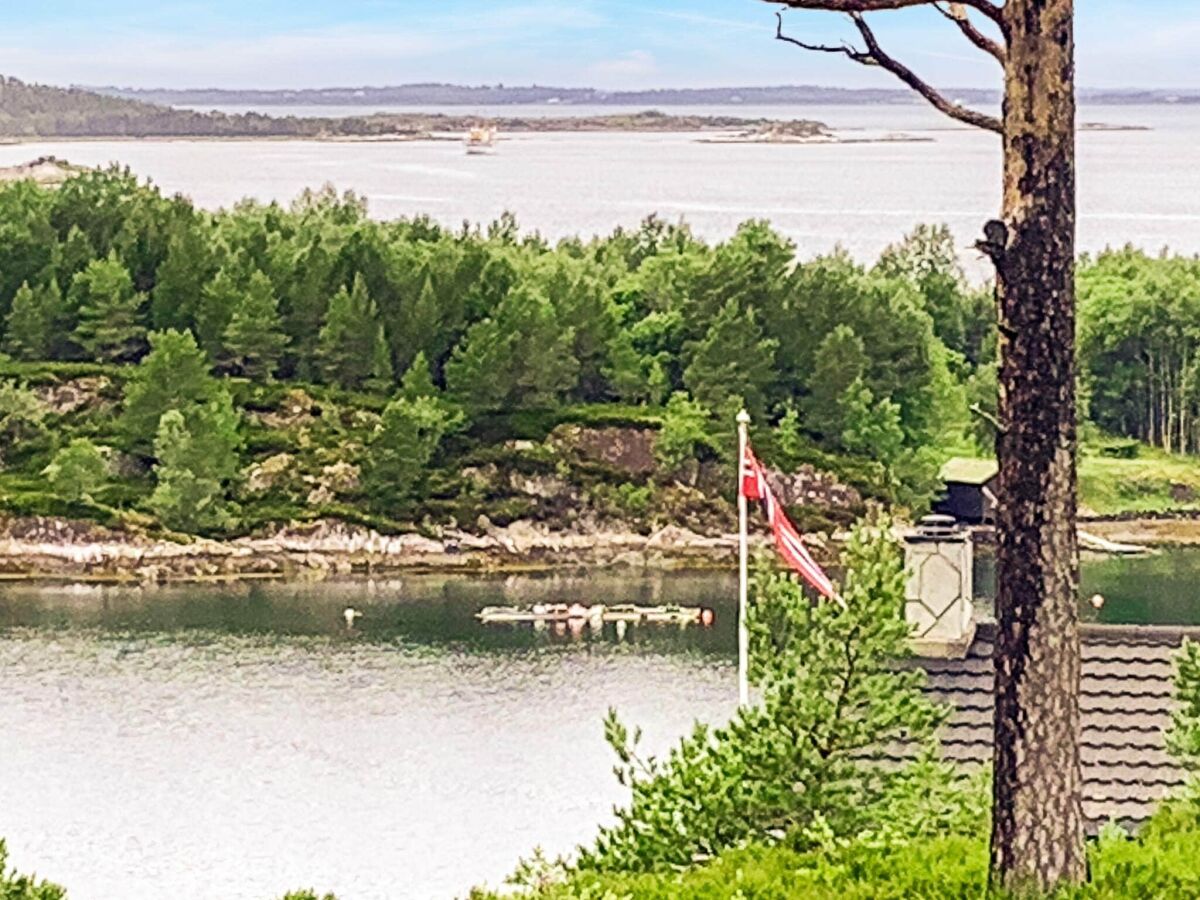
753,484
787,539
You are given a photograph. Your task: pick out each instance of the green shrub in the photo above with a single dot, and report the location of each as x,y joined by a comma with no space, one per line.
1161,863
623,500
1183,740
22,414
24,887
685,433
403,446
1121,449
77,470
800,761
198,457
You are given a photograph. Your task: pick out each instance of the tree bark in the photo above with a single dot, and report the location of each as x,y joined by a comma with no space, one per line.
1037,828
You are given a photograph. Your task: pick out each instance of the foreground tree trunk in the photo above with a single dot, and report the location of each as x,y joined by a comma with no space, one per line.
1037,821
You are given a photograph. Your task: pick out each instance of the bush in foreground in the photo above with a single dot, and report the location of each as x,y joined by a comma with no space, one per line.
24,887
1163,862
806,760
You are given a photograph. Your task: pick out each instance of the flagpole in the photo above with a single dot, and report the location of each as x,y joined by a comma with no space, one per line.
743,422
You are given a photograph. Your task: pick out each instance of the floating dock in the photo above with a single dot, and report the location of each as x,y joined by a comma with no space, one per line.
597,614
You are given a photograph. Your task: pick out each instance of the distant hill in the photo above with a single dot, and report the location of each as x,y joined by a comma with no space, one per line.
502,95
34,110
38,111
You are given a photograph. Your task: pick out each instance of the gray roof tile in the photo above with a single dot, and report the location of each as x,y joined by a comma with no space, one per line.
1126,700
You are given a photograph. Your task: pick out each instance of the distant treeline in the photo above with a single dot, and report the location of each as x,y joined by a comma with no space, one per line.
878,361
505,95
30,110
38,111
835,360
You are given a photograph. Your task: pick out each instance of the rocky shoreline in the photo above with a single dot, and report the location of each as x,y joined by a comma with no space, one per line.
58,549
43,548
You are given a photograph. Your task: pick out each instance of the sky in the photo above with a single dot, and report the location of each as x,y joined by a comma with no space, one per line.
573,43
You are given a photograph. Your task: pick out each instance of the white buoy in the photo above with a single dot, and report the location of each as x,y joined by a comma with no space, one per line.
1097,601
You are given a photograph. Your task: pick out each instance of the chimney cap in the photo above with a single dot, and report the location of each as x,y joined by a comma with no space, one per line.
938,526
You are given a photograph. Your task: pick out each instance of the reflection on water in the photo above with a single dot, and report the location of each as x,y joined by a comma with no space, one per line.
1160,589
236,741
423,609
224,742
1151,590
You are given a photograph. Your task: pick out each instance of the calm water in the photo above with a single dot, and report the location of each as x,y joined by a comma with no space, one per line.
1136,186
233,742
227,742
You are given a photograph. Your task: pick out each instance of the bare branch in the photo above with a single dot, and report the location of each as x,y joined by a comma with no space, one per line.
994,11
977,410
845,49
909,77
875,56
957,13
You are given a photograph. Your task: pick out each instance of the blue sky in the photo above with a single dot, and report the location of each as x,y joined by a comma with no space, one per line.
603,43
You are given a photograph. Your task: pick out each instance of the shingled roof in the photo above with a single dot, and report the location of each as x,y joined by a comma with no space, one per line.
1126,701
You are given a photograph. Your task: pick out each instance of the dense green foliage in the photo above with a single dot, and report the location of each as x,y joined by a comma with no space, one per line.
24,887
1184,738
866,372
77,470
1139,329
197,457
1161,862
505,334
806,759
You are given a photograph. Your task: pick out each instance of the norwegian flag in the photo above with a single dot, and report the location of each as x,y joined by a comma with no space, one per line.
753,486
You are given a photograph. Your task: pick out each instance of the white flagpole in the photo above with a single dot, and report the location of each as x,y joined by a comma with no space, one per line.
743,422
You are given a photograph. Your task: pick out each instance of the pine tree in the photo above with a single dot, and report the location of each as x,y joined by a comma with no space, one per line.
34,323
254,340
77,470
684,433
305,303
174,375
181,279
518,358
352,347
408,436
789,435
872,426
71,256
733,360
418,381
219,299
197,456
110,325
840,361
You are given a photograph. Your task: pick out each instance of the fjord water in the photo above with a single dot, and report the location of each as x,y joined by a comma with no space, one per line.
221,742
228,742
1140,187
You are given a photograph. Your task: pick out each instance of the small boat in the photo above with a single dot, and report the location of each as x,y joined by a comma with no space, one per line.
481,140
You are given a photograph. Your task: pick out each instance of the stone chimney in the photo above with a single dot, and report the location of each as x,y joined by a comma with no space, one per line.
939,607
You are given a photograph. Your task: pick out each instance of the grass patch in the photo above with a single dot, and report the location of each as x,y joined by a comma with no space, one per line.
1151,481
